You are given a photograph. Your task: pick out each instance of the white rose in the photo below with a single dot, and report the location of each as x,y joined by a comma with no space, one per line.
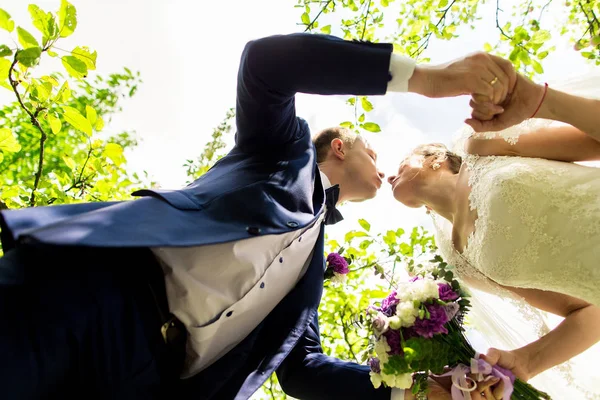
375,379
404,381
407,313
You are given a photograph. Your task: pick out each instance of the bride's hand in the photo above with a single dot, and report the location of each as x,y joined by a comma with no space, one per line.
520,104
511,360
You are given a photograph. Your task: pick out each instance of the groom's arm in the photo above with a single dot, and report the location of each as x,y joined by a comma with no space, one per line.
308,374
273,69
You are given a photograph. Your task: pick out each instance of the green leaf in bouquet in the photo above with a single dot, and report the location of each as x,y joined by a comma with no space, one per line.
455,285
448,276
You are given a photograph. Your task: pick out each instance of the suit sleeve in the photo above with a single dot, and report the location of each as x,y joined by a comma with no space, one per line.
273,69
308,374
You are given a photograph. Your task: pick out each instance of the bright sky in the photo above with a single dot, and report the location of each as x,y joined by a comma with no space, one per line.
188,54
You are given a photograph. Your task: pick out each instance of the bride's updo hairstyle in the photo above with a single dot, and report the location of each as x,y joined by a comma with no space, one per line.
437,153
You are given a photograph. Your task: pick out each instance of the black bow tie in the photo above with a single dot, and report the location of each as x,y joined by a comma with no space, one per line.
332,215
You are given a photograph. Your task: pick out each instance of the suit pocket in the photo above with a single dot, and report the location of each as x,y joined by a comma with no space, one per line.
177,198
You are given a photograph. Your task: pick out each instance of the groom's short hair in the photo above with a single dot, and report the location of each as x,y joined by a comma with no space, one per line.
322,140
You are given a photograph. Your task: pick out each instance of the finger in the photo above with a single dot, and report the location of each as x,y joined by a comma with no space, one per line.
508,69
486,107
492,356
482,116
487,384
488,394
482,86
478,99
498,390
501,84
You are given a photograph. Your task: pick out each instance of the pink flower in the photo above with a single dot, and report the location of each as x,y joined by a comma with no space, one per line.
338,263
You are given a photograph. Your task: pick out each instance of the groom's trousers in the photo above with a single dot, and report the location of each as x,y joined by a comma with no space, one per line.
84,322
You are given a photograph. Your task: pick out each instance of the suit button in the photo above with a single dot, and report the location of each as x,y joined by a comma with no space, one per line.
229,313
262,285
292,224
253,230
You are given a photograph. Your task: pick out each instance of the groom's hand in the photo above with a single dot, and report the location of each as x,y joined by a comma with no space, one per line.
477,74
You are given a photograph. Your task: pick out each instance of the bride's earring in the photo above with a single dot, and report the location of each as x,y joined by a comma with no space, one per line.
427,210
436,166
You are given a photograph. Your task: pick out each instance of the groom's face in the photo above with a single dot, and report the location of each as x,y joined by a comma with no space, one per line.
361,167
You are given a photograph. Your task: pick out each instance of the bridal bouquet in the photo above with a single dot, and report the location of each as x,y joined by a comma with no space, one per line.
418,329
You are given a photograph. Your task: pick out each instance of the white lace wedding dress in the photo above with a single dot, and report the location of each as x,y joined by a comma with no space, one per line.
538,226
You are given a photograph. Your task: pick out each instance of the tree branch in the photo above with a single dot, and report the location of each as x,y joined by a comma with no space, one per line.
344,331
310,26
3,205
36,123
362,36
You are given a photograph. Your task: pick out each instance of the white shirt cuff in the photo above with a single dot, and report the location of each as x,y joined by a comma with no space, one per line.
401,69
397,394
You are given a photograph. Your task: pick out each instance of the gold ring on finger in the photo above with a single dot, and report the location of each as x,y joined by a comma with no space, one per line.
493,82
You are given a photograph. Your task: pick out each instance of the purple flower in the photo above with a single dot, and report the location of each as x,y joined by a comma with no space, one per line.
374,364
446,292
434,325
451,310
414,278
393,340
388,305
338,263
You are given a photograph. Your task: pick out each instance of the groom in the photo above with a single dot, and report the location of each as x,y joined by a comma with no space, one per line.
217,283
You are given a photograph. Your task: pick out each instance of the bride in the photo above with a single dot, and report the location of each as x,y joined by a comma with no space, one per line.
519,217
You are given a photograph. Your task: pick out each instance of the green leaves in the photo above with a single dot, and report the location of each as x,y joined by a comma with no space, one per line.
88,58
44,22
79,62
305,19
67,15
371,127
5,50
8,143
5,21
366,104
29,57
364,224
54,122
74,66
77,121
540,37
26,39
326,30
4,69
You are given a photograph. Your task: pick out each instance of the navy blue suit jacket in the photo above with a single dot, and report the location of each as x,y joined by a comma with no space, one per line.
267,184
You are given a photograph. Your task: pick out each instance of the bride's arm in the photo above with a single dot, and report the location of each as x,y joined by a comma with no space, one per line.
582,113
576,333
564,143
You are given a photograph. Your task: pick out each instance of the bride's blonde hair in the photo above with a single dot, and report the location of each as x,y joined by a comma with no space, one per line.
438,153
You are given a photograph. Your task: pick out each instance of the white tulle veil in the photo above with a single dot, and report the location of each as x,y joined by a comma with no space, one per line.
502,319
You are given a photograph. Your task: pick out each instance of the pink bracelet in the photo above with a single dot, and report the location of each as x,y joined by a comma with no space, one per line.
543,97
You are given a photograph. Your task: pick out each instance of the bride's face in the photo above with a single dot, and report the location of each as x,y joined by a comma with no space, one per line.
411,174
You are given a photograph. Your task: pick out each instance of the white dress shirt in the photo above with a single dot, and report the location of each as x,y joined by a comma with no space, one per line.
221,292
